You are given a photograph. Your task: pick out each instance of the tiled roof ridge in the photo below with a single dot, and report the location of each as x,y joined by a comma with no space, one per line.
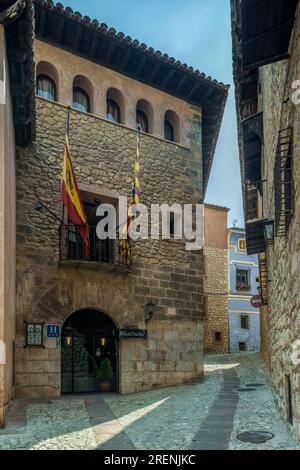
120,36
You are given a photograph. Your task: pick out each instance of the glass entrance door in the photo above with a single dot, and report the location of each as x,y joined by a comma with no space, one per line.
88,337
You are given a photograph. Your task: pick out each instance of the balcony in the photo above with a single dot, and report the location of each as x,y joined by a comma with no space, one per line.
103,254
254,204
240,286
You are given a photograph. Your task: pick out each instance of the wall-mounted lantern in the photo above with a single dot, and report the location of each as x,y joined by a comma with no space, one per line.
269,231
150,310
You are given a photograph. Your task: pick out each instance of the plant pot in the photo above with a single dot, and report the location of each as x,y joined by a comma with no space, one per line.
105,387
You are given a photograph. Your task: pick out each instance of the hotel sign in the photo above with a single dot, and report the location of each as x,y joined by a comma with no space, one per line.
128,333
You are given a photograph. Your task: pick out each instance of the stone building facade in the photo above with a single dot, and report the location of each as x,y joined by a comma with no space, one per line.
216,288
16,81
244,320
56,289
268,116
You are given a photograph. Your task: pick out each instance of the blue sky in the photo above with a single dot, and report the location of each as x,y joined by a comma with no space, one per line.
198,33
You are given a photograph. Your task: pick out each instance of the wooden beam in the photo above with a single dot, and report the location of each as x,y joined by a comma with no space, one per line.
60,29
126,59
95,45
42,25
154,72
78,37
181,83
193,90
168,77
141,66
110,52
207,95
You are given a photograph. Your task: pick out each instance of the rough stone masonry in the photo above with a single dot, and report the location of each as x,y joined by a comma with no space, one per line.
162,271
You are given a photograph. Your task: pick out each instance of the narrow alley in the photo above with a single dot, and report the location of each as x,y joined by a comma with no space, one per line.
234,398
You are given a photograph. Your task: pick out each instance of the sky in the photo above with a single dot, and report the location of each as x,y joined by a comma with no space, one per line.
197,32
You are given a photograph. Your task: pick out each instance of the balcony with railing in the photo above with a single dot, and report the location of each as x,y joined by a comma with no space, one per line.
103,254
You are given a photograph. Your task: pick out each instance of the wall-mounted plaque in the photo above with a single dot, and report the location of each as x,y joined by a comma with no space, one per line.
34,334
127,333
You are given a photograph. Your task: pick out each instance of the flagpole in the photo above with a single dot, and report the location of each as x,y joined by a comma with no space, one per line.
68,121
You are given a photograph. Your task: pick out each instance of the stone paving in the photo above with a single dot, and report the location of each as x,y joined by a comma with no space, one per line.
203,416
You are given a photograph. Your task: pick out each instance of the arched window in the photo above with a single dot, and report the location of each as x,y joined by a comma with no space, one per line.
45,87
81,100
113,112
172,126
169,131
142,120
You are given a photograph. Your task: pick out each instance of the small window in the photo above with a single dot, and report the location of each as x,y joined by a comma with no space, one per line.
242,347
46,88
242,279
169,131
290,399
142,120
81,100
242,244
113,112
172,224
245,322
218,336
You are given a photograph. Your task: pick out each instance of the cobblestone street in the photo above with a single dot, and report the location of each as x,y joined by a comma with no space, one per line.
187,417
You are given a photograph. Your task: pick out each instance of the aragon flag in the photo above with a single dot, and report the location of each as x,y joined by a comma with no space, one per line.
71,198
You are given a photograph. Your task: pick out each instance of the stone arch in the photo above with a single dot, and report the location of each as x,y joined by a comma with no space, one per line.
173,119
88,338
147,108
46,68
80,81
118,97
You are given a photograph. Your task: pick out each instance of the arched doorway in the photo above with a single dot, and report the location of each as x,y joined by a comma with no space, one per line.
88,337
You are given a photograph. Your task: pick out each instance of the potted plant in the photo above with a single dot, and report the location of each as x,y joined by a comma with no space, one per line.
105,375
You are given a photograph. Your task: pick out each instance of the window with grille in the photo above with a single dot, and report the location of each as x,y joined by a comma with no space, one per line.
245,322
284,182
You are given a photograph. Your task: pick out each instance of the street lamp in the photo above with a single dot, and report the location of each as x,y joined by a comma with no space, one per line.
269,231
150,309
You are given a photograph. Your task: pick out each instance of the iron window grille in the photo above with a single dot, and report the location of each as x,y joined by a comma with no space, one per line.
284,182
245,323
100,251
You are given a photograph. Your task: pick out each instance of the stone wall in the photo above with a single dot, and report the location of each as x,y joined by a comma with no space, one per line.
163,271
7,233
283,257
216,289
249,336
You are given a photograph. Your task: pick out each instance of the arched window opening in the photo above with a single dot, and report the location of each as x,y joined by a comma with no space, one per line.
113,112
46,88
81,100
115,106
169,131
172,126
142,120
47,81
144,116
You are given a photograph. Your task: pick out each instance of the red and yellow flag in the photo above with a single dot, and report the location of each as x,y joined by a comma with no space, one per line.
71,198
125,245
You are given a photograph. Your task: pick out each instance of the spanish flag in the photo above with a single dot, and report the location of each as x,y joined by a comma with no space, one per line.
71,198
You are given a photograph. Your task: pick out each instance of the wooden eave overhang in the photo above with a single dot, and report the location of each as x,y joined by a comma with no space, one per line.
18,19
261,34
88,38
